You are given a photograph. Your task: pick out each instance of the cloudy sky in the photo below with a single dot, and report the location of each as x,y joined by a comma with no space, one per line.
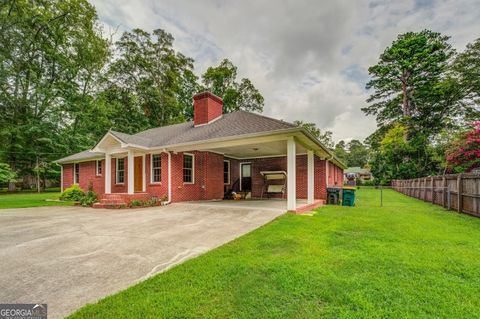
308,58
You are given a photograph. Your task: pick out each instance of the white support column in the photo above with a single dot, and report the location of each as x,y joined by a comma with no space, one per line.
108,173
144,175
310,177
131,173
291,179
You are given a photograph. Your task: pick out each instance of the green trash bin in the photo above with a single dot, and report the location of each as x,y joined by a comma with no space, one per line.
348,196
333,195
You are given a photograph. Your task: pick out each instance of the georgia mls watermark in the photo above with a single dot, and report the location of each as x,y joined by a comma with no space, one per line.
23,311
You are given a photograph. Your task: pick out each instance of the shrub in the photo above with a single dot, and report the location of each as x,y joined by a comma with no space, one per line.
369,183
73,193
136,203
153,201
90,197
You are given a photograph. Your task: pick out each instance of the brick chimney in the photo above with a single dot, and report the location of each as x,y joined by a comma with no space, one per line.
207,107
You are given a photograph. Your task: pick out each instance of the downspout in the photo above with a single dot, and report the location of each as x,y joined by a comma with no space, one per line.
169,182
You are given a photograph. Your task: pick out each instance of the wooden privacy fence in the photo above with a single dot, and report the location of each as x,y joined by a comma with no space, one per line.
460,192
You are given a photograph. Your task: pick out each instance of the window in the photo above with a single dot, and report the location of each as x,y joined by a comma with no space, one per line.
120,170
99,167
76,173
226,172
188,168
156,168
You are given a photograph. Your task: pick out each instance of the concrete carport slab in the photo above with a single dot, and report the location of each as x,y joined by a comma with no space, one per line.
69,256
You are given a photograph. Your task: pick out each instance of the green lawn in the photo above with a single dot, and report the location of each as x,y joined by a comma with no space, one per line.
408,259
18,200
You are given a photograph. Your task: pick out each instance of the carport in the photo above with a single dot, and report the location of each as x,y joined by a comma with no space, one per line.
274,205
286,147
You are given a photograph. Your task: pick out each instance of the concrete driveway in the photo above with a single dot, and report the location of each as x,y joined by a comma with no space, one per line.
69,256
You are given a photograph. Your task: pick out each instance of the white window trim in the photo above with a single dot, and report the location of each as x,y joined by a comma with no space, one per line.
74,173
229,172
96,168
116,171
151,168
193,168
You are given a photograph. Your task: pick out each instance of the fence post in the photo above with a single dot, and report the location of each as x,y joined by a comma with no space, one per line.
444,191
449,198
381,196
459,193
432,192
425,189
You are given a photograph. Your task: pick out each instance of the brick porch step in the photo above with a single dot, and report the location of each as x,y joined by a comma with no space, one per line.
108,204
118,199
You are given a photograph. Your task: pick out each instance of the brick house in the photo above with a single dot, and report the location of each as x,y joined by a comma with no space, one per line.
206,158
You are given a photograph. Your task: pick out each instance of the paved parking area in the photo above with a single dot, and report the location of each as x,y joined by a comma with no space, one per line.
69,256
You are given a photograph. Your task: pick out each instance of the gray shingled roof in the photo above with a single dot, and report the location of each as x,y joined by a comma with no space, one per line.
229,125
80,156
232,124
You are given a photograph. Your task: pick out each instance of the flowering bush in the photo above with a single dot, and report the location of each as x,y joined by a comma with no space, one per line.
464,154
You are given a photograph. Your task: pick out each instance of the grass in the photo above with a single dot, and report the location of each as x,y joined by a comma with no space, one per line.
32,190
408,259
21,200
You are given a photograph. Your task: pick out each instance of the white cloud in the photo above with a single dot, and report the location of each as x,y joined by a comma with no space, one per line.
309,58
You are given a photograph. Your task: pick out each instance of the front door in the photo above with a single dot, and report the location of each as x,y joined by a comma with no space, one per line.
138,174
245,177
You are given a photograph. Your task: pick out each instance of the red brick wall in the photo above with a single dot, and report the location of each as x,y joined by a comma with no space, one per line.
208,178
335,177
234,172
87,175
280,164
157,189
206,107
67,175
214,178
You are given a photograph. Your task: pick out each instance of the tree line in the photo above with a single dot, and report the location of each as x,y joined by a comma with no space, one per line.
425,97
426,100
64,83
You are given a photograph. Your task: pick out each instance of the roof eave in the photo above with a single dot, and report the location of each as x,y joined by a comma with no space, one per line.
85,159
326,149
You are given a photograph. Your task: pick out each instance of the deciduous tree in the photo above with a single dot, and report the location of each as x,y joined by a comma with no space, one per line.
50,53
463,155
325,138
222,81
